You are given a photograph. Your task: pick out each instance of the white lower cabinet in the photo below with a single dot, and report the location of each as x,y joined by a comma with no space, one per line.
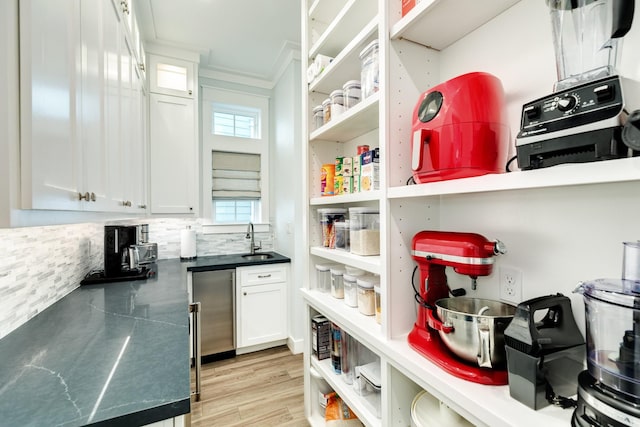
180,421
261,298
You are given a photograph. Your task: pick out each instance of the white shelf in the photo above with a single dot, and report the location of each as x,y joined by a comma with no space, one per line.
345,27
346,66
439,23
359,404
608,171
367,263
480,404
325,10
365,196
352,123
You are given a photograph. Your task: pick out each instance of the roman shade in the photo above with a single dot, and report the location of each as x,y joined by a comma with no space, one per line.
235,175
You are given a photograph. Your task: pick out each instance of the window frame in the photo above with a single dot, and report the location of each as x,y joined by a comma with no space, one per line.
211,142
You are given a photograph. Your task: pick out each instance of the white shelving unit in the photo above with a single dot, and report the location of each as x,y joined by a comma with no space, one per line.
407,68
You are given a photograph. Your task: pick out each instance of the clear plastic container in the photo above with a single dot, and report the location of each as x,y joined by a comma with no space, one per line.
366,294
337,286
323,277
318,117
326,110
349,282
352,93
337,102
364,231
376,290
342,235
349,358
369,71
328,217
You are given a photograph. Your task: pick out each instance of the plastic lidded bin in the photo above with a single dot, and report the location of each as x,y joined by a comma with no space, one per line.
366,294
352,93
349,282
337,286
318,117
328,217
326,109
369,69
337,102
323,277
376,290
342,235
364,231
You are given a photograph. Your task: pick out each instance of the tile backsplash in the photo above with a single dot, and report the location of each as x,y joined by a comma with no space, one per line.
40,265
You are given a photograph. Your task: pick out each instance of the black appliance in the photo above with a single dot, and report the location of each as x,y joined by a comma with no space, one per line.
545,356
117,266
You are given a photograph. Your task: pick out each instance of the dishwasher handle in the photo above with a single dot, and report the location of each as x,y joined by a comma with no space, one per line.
196,337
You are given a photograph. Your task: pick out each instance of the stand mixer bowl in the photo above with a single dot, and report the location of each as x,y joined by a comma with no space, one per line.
473,329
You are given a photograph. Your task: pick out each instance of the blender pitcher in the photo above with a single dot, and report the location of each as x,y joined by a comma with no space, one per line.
587,38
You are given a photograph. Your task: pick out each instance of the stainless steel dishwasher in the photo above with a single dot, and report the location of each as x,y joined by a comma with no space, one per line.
216,291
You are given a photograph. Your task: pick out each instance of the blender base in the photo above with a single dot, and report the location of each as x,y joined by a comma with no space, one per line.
429,345
600,406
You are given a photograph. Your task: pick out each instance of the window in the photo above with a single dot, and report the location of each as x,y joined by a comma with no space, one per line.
235,187
231,121
235,156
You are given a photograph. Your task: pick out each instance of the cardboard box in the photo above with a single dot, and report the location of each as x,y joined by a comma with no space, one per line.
347,185
356,165
339,166
371,156
407,5
347,166
338,185
321,337
370,177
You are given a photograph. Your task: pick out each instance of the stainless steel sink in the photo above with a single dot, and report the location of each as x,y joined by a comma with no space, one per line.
257,257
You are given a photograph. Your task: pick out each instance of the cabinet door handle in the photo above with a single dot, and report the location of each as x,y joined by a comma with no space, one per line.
93,197
190,92
264,276
84,196
142,206
244,293
126,203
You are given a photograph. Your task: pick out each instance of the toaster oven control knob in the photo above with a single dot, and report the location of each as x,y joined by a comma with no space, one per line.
567,103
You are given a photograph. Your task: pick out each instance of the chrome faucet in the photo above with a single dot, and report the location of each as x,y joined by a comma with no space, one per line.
252,247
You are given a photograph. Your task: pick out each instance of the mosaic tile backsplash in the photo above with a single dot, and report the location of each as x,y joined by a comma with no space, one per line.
40,265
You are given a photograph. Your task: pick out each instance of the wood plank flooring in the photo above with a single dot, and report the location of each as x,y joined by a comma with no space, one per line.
264,388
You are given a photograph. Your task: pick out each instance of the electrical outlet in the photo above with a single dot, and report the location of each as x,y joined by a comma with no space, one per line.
510,284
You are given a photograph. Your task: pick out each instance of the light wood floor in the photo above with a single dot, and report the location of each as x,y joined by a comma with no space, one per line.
264,388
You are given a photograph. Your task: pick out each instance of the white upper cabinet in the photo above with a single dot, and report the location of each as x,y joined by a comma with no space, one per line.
82,136
50,104
171,76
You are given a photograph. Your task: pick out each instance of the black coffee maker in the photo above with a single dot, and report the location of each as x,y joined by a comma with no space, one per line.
118,265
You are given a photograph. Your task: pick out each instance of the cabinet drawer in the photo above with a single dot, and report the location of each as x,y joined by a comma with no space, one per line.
262,274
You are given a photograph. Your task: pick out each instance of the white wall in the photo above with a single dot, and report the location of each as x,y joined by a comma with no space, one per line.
556,236
287,184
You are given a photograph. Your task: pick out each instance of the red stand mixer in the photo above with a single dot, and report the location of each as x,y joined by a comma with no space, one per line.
469,254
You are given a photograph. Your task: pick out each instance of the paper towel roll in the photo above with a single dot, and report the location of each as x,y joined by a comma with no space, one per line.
188,244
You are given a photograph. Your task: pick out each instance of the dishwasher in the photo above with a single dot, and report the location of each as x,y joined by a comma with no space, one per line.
215,291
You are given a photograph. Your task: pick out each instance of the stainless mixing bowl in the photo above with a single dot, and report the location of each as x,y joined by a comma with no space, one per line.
473,328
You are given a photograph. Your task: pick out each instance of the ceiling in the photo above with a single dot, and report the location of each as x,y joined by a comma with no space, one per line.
246,37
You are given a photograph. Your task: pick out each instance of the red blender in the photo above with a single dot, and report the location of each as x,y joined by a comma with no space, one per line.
464,336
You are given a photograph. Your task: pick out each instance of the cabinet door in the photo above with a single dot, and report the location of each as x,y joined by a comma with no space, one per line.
49,104
171,76
172,146
262,314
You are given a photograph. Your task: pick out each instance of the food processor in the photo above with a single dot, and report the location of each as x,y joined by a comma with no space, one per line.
582,120
609,390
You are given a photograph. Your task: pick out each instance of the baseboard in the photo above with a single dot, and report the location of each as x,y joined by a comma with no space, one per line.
259,347
295,346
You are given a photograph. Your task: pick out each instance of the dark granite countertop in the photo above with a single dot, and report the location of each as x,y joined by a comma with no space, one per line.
112,354
221,262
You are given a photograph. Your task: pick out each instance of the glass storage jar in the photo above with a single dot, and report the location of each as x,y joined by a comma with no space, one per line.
328,217
369,71
366,294
318,117
337,102
337,286
364,231
352,93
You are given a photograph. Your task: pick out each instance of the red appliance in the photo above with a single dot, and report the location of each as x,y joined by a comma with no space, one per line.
469,254
460,129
